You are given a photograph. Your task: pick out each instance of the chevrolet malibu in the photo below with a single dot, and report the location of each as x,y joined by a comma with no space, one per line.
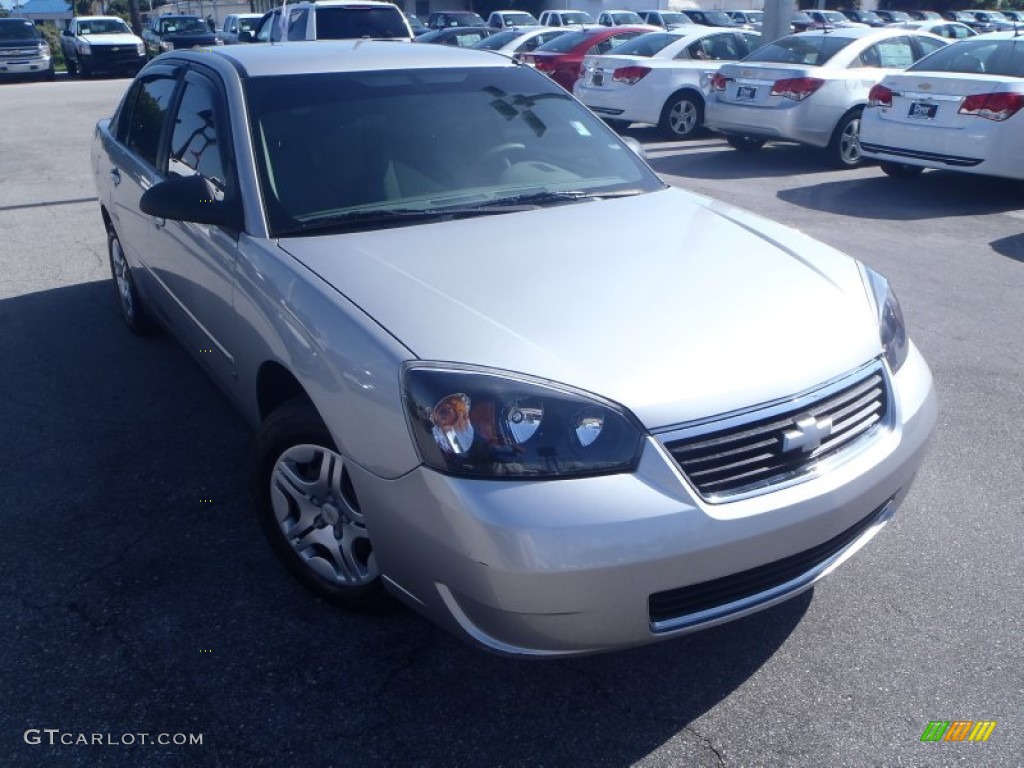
463,394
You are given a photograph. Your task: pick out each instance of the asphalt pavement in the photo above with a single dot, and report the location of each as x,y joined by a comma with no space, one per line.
137,595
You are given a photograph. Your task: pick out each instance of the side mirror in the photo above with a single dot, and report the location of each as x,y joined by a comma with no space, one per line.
245,36
67,33
189,198
636,146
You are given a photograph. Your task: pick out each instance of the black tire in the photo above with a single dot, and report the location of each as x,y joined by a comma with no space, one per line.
745,143
84,71
133,312
72,65
682,117
900,170
290,432
617,125
844,149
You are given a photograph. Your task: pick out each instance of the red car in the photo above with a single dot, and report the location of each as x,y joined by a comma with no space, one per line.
562,57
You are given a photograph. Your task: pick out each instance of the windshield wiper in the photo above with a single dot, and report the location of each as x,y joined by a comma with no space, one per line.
398,217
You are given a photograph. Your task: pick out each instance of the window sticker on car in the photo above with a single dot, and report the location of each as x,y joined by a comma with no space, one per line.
581,129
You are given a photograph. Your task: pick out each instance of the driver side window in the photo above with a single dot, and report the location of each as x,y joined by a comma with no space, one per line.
196,148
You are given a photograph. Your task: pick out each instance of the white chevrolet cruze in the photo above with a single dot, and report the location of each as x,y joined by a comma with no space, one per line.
959,109
810,88
405,266
661,78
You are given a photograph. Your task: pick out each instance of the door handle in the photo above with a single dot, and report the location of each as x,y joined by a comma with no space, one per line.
115,176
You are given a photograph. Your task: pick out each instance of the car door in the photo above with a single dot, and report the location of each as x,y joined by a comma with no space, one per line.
195,263
135,156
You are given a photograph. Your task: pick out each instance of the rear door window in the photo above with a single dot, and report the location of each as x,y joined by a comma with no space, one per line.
148,115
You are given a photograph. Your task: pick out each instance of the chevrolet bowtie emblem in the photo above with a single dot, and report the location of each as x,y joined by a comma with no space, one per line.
808,434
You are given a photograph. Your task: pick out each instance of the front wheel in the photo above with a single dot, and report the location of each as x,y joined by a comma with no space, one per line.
745,143
681,117
845,145
309,511
900,170
72,66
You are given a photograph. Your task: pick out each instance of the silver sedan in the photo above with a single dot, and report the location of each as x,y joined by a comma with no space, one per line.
810,88
404,265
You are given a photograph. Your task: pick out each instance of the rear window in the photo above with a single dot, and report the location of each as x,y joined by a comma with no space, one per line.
718,18
989,57
11,29
494,42
566,43
340,23
813,50
646,45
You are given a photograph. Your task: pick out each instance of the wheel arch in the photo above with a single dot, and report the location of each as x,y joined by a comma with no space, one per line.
685,90
275,386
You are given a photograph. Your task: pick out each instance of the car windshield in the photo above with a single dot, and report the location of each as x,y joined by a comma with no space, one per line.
18,30
813,50
519,19
627,18
248,25
977,56
566,42
183,26
103,27
341,151
675,18
349,22
719,18
899,16
464,20
645,45
576,17
868,16
835,17
496,41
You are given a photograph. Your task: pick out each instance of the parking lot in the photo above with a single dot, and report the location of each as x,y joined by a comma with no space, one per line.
139,596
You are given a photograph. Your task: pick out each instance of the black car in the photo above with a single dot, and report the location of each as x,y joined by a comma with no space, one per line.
711,18
445,19
870,18
462,37
165,33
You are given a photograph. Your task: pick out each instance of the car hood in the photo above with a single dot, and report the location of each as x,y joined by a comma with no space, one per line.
674,305
118,38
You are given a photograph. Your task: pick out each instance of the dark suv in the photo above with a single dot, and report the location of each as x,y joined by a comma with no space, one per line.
165,33
23,51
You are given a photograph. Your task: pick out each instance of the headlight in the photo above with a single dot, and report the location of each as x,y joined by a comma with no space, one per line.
166,46
891,327
84,49
484,424
140,48
218,41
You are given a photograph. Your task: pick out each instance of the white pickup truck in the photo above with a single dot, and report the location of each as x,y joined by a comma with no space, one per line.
95,44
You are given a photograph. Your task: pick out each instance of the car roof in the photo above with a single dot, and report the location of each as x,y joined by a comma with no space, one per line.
97,18
324,56
347,3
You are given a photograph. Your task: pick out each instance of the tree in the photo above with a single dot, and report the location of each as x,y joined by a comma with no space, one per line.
133,12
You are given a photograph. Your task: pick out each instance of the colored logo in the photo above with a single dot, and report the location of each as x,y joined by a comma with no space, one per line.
958,730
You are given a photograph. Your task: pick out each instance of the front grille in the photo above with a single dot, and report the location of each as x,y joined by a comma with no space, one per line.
752,454
106,55
20,53
675,604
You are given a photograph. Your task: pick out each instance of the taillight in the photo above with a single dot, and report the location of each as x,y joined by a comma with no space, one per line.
629,75
880,96
797,88
992,106
718,81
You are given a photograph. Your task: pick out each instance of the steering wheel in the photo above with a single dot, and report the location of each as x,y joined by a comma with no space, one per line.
499,150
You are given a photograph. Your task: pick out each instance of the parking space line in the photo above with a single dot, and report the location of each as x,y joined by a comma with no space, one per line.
73,201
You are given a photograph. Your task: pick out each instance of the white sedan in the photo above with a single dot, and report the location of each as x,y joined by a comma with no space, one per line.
520,39
661,78
810,88
959,109
953,30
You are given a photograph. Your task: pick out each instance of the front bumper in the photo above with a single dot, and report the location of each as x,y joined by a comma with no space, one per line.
564,567
34,65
